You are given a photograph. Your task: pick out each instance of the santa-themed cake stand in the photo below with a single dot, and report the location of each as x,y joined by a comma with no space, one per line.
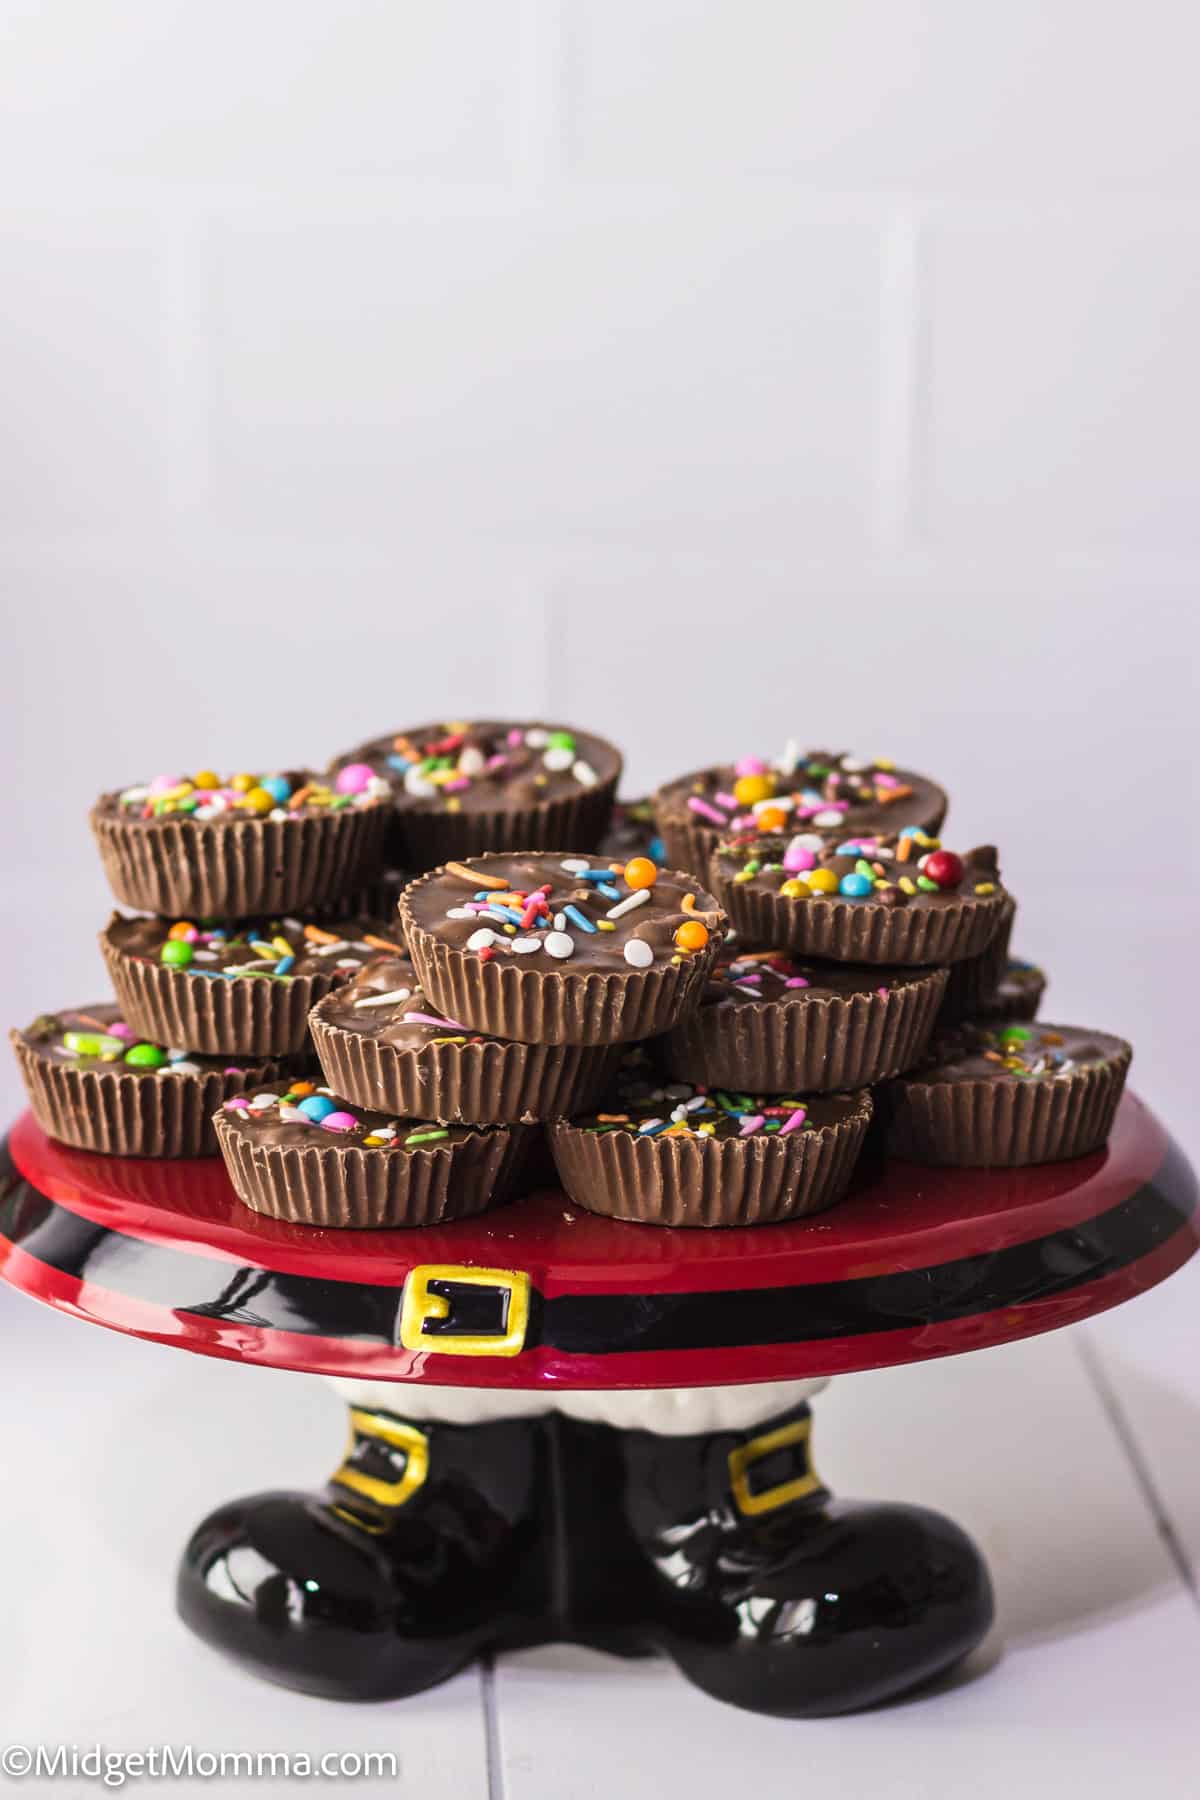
561,1425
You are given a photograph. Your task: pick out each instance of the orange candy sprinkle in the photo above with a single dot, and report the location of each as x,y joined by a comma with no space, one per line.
772,818
692,935
640,872
182,928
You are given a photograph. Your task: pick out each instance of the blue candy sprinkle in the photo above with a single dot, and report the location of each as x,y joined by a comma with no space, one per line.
317,1107
856,887
283,965
577,918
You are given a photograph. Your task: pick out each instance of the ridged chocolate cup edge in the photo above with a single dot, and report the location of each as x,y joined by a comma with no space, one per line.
974,980
1005,1124
817,1044
348,1186
214,1016
715,1182
469,1084
861,931
240,868
115,1112
506,999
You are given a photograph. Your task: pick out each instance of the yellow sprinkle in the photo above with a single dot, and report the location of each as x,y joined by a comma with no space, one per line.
885,762
454,804
265,949
743,875
605,925
374,1141
511,930
281,944
907,885
985,887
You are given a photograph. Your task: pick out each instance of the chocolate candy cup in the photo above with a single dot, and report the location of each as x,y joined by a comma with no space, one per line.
929,928
973,981
966,1111
689,838
711,1182
235,868
117,1110
814,1040
481,1081
336,1185
592,999
493,814
242,1016
1018,996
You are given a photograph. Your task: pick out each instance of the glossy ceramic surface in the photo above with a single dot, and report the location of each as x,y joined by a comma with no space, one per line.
917,1263
431,1546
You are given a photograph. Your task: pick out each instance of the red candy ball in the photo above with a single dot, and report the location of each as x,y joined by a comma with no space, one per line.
944,867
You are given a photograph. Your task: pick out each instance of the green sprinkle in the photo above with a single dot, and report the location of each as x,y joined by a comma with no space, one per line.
424,1137
927,886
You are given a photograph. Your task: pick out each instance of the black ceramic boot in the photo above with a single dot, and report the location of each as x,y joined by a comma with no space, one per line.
772,1596
425,1549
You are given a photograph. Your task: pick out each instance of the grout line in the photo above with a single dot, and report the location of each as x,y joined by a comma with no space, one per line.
491,1728
901,377
1119,1420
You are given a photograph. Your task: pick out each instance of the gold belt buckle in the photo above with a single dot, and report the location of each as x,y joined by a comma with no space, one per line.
421,1305
745,1456
385,1492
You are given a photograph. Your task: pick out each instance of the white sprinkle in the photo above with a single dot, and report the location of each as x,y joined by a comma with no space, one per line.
470,761
204,956
176,1055
204,812
134,793
638,897
584,773
416,784
560,921
260,1102
557,943
346,962
558,760
784,802
483,939
806,840
291,1115
376,788
648,1125
677,1090
278,812
460,912
828,816
575,865
791,756
385,1131
524,945
184,1066
218,804
854,765
678,1114
294,924
331,949
638,953
385,999
537,737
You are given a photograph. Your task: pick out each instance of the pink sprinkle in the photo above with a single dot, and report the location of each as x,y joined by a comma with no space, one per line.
457,785
338,1121
794,1121
421,1018
162,783
798,859
499,761
753,1123
750,765
706,811
728,800
514,738
120,1029
799,981
806,812
744,822
882,991
882,780
237,1104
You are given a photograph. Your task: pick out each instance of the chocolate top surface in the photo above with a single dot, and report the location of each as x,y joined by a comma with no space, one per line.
289,1116
207,798
640,1101
1033,1052
97,1037
826,789
386,1002
632,831
1019,980
280,949
484,764
561,913
908,868
745,977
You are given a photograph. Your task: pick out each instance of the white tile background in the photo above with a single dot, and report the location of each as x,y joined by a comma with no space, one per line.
708,373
